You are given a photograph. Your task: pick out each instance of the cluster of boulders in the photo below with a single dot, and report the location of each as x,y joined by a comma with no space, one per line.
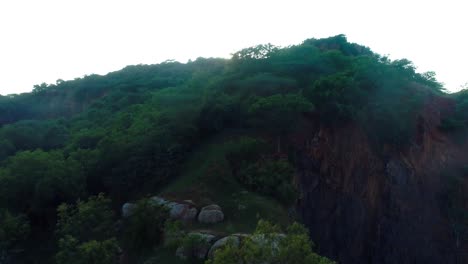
185,210
201,244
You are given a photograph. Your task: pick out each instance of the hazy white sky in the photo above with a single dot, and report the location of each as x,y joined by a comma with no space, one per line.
42,41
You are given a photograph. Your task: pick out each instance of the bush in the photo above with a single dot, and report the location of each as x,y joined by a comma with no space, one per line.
144,228
337,97
244,150
173,234
86,232
87,220
13,230
270,177
192,245
247,157
91,252
269,245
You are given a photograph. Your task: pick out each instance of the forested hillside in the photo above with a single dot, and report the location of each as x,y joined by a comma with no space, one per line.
325,133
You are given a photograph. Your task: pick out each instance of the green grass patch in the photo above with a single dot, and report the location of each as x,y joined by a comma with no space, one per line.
207,178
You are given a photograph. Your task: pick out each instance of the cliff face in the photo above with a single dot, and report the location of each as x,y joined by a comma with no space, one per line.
364,205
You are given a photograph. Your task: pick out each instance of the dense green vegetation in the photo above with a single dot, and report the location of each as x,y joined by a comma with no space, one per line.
86,232
134,132
269,244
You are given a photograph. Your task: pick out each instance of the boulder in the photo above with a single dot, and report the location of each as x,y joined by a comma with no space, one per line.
158,200
179,211
176,210
189,202
211,214
128,209
212,207
235,240
190,214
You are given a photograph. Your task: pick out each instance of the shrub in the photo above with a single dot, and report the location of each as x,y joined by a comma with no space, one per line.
13,230
269,245
244,150
144,228
173,234
91,252
86,232
270,177
87,220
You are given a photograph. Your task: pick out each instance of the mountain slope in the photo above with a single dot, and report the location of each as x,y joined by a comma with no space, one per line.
365,151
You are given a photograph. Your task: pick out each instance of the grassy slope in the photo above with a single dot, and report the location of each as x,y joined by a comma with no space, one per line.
207,178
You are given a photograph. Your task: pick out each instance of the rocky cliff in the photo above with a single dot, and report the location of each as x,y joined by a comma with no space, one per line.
381,205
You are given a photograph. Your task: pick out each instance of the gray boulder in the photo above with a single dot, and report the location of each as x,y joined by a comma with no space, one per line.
211,214
185,211
158,200
180,211
190,214
176,209
189,202
128,209
235,240
212,207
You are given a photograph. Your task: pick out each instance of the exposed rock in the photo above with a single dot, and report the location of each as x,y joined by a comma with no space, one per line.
235,240
176,209
180,211
211,214
189,214
190,202
368,205
127,209
212,207
158,200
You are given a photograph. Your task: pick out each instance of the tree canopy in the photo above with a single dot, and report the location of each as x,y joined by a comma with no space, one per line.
127,133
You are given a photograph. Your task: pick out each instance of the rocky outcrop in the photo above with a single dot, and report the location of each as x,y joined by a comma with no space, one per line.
211,214
363,204
181,211
159,200
232,239
184,211
127,209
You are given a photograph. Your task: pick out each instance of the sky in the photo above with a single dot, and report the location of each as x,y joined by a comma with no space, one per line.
42,41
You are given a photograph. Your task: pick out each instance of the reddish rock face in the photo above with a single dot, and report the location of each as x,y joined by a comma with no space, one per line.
377,205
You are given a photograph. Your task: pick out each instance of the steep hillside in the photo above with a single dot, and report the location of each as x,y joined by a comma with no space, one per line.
364,151
368,206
